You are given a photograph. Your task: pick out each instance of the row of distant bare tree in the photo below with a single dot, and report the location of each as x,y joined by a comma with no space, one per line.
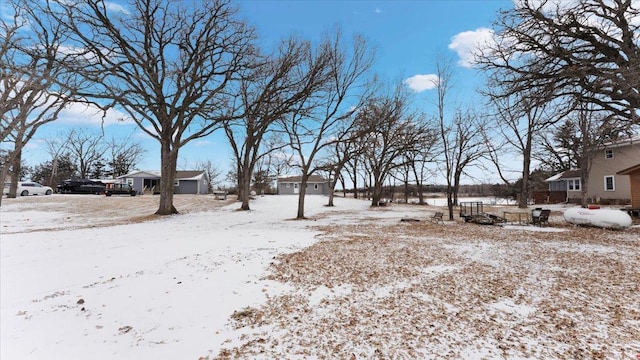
182,70
86,154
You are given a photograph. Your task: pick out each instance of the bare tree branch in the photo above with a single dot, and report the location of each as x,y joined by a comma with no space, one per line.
555,51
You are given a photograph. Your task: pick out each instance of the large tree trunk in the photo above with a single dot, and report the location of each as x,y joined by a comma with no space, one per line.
419,187
334,182
450,202
244,188
376,194
301,195
16,167
584,183
54,173
420,193
585,169
239,183
526,165
585,164
332,188
456,187
355,180
406,191
4,171
169,161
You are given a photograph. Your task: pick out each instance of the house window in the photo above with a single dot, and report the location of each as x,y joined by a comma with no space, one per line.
176,183
295,185
608,153
315,186
130,181
574,184
609,183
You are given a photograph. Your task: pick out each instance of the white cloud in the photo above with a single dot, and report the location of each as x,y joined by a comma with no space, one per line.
378,11
83,114
36,144
468,43
142,135
419,83
111,6
201,143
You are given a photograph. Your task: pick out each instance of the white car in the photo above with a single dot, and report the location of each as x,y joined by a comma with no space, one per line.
28,188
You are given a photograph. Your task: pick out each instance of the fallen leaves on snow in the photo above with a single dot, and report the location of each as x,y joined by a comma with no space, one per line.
422,290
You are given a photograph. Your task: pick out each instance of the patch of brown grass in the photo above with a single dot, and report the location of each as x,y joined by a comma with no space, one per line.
88,211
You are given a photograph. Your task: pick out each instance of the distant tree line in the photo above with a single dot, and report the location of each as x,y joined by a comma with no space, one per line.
81,153
560,81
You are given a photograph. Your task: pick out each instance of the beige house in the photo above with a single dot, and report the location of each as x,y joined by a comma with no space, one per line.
606,185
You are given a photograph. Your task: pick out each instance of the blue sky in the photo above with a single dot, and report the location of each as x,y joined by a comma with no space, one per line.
408,36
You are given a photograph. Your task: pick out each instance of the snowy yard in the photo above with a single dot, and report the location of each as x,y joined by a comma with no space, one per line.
90,277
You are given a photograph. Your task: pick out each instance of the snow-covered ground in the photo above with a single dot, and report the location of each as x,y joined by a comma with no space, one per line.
203,283
153,290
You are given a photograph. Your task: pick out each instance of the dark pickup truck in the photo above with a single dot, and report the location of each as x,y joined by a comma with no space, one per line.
80,186
119,189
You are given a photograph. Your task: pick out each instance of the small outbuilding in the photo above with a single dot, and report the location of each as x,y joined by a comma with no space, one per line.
290,185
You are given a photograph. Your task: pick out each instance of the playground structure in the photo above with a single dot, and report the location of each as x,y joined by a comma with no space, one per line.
473,212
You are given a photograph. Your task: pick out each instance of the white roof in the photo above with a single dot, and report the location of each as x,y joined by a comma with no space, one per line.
141,173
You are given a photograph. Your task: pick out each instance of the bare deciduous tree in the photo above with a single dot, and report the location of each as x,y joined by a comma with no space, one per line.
468,145
560,147
278,163
353,168
443,85
124,154
30,92
169,65
211,171
85,149
338,155
324,119
460,136
56,147
424,155
557,49
391,131
521,120
271,90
